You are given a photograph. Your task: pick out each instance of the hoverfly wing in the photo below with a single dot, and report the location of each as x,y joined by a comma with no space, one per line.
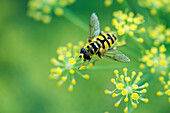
116,55
94,26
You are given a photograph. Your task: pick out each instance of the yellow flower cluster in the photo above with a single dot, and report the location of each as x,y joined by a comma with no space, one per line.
127,23
128,88
160,34
108,3
165,80
155,5
67,64
42,10
156,59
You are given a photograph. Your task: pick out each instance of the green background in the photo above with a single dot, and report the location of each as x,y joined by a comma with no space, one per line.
26,47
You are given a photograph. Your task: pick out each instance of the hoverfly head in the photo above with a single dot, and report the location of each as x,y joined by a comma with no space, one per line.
84,55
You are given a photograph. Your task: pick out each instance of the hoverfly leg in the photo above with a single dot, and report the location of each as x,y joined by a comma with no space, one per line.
83,65
102,32
98,59
88,40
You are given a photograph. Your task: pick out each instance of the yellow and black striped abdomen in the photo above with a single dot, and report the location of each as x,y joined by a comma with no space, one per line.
105,40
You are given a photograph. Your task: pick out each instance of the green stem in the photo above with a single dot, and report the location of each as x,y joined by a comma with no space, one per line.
106,67
68,14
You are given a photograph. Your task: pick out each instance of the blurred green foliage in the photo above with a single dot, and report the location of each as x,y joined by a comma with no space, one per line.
26,47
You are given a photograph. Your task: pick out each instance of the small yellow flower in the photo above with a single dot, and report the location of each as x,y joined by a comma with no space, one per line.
119,86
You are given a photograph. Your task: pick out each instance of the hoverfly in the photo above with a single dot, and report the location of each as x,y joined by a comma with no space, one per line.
100,43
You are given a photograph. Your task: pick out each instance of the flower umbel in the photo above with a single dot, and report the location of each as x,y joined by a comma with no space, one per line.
155,5
156,59
160,34
165,81
42,10
66,65
128,88
127,24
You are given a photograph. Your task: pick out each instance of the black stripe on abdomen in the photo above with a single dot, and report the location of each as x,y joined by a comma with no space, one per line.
94,46
109,37
106,40
115,37
102,42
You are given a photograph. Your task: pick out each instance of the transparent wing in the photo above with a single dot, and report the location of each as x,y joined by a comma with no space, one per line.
116,55
94,26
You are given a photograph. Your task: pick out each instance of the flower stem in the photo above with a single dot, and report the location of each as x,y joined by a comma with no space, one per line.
78,21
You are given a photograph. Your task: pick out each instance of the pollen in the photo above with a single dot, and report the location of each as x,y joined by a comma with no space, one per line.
141,66
135,105
142,30
125,111
106,91
135,86
122,76
69,45
73,82
114,95
70,89
68,54
72,61
161,79
116,71
146,84
144,91
126,99
159,93
86,76
125,69
107,29
75,47
108,3
82,67
131,33
140,40
119,86
112,80
63,79
127,79
58,84
152,70
146,100
58,11
140,73
58,71
134,96
133,73
91,65
153,11
116,105
124,92
72,71
61,57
